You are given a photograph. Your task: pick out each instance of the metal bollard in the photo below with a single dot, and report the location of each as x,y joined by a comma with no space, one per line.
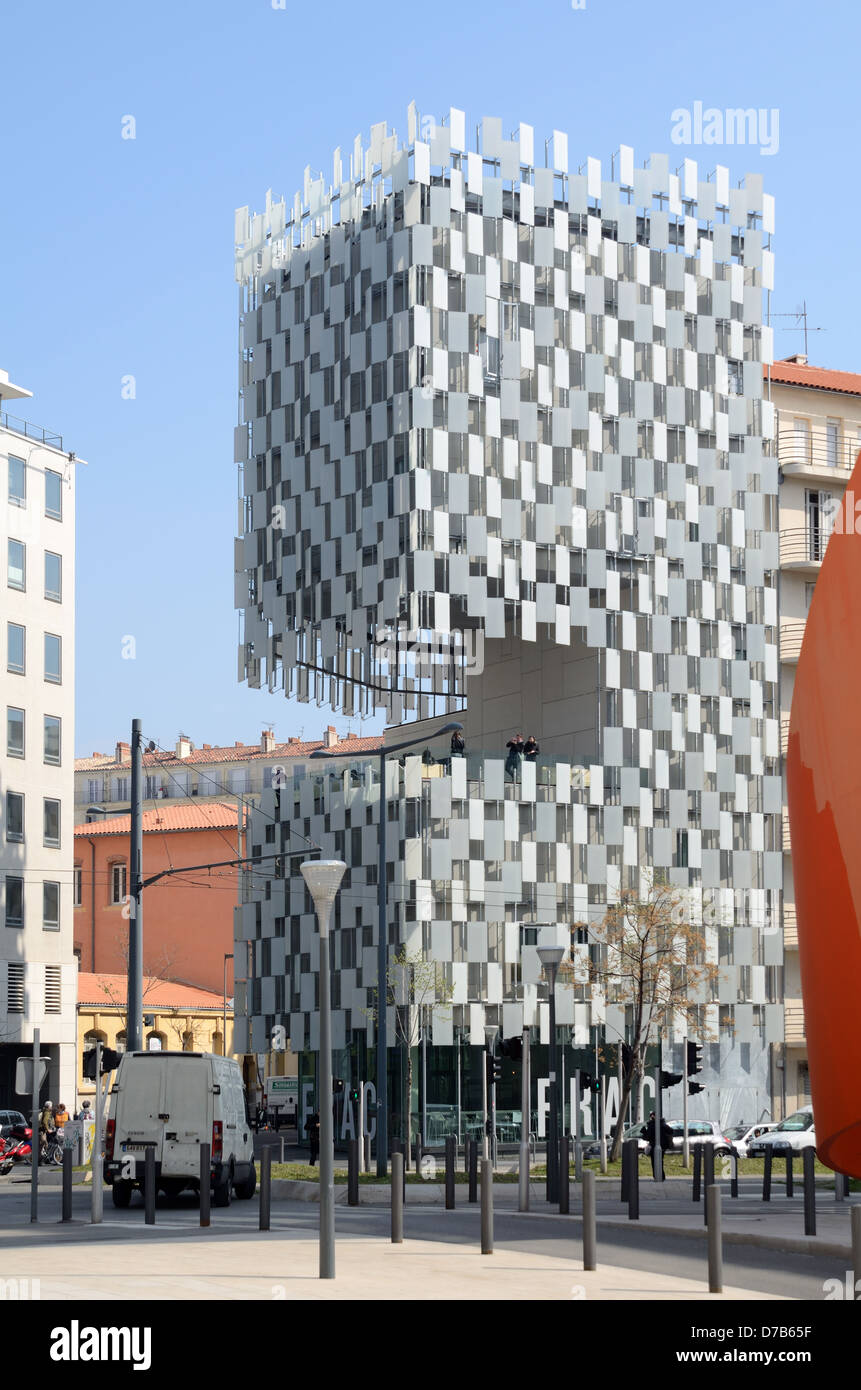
733,1174
713,1209
149,1186
708,1173
564,1175
281,1160
450,1160
766,1174
486,1207
604,1154
472,1159
578,1161
367,1143
398,1146
397,1189
265,1188
589,1239
633,1179
789,1184
841,1188
698,1172
855,1226
352,1173
626,1158
67,1185
205,1183
808,1176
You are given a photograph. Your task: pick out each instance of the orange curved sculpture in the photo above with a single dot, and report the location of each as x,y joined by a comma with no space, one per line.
824,793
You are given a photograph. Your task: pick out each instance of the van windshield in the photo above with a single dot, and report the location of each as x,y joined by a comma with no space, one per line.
802,1119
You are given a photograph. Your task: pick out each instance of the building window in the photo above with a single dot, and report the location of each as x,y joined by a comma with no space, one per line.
118,883
53,989
53,576
121,789
94,789
16,569
808,595
53,495
52,739
15,816
15,987
17,482
77,885
14,732
15,649
90,1040
50,906
14,901
153,788
53,658
120,1042
52,823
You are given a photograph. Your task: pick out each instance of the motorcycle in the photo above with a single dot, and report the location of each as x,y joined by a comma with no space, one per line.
15,1150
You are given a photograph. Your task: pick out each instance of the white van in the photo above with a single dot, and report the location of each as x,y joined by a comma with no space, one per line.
173,1102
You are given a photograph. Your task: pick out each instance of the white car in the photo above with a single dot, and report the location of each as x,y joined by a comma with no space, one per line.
172,1102
742,1136
792,1135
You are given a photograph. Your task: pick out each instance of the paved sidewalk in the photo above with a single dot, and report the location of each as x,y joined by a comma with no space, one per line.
271,1267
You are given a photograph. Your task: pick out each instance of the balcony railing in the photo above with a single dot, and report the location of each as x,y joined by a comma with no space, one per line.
790,927
787,844
803,547
784,734
42,436
794,1031
791,637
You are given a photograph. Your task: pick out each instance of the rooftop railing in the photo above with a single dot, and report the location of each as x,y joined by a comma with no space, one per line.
37,432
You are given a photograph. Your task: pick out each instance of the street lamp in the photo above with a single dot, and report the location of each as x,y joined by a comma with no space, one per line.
228,955
323,879
551,959
383,935
490,1032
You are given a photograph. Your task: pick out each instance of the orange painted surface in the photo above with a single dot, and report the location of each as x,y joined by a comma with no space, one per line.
187,920
824,791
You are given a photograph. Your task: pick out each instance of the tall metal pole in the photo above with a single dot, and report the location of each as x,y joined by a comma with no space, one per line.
134,1042
686,1143
523,1193
659,1156
327,1135
34,1132
382,987
553,1146
423,1017
98,1192
485,1142
227,957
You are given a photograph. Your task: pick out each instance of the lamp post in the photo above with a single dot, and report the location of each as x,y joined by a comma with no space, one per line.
382,1041
490,1032
551,959
228,955
323,879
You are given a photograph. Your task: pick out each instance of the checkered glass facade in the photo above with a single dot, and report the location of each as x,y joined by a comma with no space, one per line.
497,405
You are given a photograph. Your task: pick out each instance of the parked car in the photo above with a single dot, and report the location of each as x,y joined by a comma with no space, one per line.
742,1136
699,1132
13,1124
792,1135
172,1102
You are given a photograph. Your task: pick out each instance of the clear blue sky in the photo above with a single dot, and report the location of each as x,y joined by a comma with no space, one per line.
118,255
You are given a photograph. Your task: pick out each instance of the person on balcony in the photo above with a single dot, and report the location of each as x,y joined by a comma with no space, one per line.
515,752
457,744
531,749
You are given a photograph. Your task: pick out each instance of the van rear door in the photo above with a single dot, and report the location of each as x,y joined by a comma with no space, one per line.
187,1113
139,1105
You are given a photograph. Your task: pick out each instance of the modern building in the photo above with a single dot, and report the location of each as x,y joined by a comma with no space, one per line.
177,1018
37,966
818,438
505,456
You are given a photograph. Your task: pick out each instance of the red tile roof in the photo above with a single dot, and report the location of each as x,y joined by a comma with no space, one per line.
243,752
108,990
171,817
790,373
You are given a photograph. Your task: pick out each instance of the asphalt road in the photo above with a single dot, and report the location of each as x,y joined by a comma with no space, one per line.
771,1271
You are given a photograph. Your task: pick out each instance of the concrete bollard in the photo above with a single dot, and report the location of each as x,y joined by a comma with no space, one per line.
450,1161
808,1175
397,1190
149,1186
67,1185
265,1188
713,1210
589,1225
486,1207
205,1184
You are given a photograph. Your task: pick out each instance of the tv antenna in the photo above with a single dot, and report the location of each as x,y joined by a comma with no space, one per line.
801,317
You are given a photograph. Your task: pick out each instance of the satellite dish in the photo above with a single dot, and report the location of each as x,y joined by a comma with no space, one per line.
151,746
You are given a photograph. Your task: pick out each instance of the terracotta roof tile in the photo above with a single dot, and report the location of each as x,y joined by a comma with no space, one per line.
158,994
249,752
817,378
172,816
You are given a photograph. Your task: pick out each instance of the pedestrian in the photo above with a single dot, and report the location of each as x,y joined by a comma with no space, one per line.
515,750
312,1129
47,1124
530,749
666,1141
457,744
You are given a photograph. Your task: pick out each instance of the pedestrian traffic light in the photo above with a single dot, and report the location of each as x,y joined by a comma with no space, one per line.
493,1068
337,1085
354,1095
110,1059
512,1048
694,1088
588,1082
88,1068
110,1062
670,1078
694,1058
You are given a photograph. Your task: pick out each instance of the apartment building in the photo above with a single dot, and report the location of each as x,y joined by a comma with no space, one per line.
505,455
37,965
818,438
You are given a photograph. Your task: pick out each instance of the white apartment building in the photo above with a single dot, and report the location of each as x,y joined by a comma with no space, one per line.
819,436
37,965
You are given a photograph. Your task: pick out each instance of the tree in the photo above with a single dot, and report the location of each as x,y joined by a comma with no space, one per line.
414,986
653,963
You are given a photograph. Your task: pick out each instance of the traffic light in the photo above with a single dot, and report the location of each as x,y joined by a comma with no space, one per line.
589,1083
337,1085
694,1058
694,1088
354,1095
110,1059
89,1065
512,1048
110,1062
670,1078
493,1068
627,1058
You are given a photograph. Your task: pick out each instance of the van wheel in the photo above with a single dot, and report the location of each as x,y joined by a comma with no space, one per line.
246,1189
121,1193
221,1192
